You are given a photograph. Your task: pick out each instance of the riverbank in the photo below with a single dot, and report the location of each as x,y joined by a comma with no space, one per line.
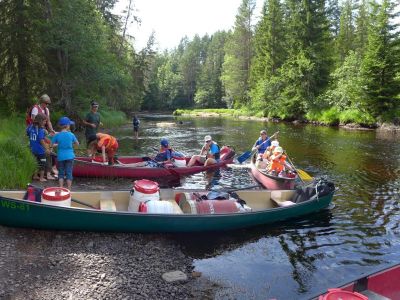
244,115
43,264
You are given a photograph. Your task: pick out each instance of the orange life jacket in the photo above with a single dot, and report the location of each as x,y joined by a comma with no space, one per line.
108,141
277,163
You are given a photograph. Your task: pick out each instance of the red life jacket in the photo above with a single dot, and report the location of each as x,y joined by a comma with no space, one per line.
28,116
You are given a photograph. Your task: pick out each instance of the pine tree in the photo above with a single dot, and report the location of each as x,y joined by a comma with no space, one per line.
380,65
238,54
345,40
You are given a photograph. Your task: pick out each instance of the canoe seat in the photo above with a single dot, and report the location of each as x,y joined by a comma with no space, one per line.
283,203
107,204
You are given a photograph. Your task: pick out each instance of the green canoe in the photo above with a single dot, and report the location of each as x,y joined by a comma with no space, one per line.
108,211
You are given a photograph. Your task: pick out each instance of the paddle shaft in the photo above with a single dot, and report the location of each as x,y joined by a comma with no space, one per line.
294,168
248,154
268,139
240,189
83,203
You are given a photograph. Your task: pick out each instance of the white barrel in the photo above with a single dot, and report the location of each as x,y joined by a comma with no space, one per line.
56,196
159,207
142,191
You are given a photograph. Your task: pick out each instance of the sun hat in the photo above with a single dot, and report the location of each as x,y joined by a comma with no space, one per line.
45,99
207,138
65,121
278,149
164,142
275,143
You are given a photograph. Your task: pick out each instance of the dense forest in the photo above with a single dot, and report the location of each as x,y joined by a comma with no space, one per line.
326,60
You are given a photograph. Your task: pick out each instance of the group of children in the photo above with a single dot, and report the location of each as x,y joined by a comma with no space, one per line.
270,156
41,146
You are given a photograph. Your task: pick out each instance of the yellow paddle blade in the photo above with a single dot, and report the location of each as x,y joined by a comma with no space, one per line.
304,175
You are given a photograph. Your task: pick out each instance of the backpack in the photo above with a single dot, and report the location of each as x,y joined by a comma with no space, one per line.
28,116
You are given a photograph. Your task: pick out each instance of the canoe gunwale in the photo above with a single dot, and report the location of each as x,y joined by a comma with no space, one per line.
85,168
99,211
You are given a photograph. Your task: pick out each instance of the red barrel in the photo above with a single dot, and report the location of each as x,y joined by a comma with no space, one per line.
339,294
189,206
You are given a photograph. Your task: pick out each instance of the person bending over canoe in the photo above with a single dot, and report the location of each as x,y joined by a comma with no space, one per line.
107,144
209,154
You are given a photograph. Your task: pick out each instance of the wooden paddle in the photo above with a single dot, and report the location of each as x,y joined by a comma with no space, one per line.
246,155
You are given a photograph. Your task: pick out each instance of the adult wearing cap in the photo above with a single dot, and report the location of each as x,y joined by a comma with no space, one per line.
92,122
65,141
165,153
42,108
209,153
107,144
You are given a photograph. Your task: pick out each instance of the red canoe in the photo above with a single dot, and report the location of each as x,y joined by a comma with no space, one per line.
269,181
84,167
382,284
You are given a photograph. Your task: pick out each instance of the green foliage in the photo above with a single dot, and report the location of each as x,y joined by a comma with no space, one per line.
380,63
356,116
238,54
346,88
112,118
17,163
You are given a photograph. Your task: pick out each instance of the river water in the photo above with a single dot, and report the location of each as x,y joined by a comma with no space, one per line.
299,258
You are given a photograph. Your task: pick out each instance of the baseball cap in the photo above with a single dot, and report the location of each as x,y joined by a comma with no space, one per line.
65,121
278,149
164,142
94,103
207,138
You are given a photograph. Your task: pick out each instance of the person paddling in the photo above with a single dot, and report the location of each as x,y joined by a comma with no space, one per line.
263,142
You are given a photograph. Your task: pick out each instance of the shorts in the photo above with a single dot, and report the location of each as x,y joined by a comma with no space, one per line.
41,160
135,128
65,169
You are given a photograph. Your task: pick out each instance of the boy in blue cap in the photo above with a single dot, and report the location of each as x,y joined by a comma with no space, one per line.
65,141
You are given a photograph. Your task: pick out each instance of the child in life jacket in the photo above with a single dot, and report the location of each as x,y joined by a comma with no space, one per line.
277,162
263,162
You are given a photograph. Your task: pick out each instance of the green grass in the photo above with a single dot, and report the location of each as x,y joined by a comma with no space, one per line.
112,118
17,162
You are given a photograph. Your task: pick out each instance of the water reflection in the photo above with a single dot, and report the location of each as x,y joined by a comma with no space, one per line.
295,259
